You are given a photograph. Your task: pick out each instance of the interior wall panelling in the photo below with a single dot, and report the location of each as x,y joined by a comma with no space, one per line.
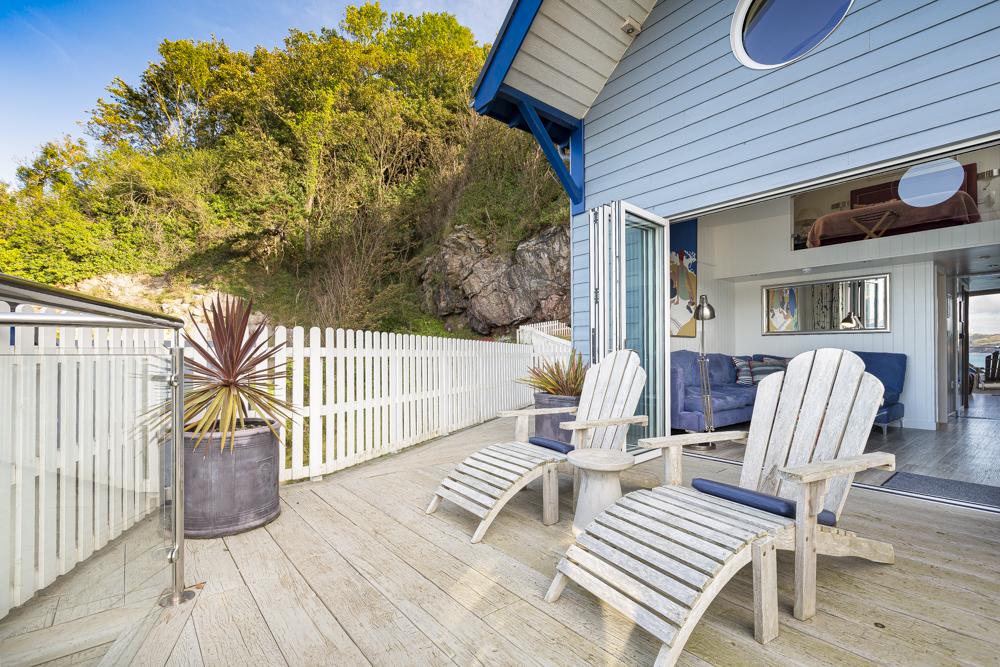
913,331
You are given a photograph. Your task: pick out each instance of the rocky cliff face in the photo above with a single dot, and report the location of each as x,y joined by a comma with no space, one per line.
467,283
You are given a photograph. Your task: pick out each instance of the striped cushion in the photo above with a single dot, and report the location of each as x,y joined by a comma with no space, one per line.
776,360
761,369
744,375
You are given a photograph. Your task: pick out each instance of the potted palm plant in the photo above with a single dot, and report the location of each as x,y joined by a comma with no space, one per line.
558,385
227,492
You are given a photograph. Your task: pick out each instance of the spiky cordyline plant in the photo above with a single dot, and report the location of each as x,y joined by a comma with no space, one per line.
562,378
222,390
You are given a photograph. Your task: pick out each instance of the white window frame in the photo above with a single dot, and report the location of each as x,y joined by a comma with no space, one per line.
736,37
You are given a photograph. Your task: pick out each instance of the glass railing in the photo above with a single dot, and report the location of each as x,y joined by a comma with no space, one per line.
85,494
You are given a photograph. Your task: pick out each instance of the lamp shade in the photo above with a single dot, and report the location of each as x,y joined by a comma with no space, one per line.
851,322
806,214
704,310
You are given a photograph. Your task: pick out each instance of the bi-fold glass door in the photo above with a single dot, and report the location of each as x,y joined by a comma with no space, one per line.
628,251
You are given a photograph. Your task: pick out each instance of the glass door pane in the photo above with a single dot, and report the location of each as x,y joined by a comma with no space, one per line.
644,315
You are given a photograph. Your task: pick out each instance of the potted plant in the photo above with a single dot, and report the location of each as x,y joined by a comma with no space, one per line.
558,385
227,492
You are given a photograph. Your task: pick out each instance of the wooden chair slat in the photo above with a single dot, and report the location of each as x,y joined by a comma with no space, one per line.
748,514
489,468
482,475
732,533
637,589
669,540
814,404
642,617
842,400
793,389
477,484
764,408
867,403
694,539
463,502
472,494
612,542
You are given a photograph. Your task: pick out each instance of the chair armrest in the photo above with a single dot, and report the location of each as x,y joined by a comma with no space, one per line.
674,444
641,420
824,470
692,439
531,412
521,418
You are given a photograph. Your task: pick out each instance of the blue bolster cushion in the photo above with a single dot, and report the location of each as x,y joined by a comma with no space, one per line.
552,444
757,500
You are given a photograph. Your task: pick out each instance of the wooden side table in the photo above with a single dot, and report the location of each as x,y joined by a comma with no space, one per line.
599,483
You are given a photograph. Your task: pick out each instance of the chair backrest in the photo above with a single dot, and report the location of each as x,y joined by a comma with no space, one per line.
821,408
612,389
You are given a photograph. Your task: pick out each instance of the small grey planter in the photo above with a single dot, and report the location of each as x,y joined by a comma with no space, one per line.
231,491
547,426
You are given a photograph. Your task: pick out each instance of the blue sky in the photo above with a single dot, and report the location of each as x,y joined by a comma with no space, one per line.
57,57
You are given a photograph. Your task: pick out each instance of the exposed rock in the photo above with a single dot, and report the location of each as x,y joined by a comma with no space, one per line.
468,283
155,293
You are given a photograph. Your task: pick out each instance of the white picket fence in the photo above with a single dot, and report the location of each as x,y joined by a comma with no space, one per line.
362,394
79,461
552,328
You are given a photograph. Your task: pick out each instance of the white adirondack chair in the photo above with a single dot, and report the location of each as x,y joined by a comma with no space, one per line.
484,482
660,557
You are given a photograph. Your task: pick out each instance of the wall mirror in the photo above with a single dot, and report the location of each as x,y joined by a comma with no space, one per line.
852,305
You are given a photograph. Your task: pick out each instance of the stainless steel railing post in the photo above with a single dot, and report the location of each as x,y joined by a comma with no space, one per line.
177,594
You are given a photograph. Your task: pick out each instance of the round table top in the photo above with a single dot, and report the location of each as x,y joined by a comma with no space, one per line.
601,460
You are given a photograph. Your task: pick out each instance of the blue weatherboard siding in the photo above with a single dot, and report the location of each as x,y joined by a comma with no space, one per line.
682,125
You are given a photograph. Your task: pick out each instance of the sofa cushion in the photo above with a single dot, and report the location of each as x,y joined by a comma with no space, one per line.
890,397
761,369
552,444
724,397
889,367
757,500
720,368
783,361
744,375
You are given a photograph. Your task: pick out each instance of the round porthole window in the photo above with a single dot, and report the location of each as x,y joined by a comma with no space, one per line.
770,33
931,183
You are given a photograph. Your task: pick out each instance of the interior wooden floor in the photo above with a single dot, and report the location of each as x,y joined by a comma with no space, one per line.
964,449
354,573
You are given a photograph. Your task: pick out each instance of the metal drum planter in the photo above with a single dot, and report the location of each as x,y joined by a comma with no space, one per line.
547,426
228,492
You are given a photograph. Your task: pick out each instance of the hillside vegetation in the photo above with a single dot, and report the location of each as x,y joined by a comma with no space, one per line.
312,176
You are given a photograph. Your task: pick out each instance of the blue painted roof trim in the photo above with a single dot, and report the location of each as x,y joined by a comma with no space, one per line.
550,127
515,27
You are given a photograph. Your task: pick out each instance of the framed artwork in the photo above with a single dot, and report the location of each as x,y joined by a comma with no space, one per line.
683,278
783,309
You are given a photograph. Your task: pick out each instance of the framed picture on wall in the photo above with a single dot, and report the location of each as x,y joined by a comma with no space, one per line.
683,278
782,309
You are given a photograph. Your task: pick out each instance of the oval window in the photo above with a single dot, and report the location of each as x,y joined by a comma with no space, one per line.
770,33
931,183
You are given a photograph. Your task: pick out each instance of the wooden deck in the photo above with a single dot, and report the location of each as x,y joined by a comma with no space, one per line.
354,573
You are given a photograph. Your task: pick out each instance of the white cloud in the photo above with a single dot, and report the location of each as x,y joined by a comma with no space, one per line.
984,314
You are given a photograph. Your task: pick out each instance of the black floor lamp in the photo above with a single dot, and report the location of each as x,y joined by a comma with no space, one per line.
704,312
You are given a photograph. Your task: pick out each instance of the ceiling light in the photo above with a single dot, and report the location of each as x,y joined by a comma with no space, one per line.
807,270
985,257
631,26
993,266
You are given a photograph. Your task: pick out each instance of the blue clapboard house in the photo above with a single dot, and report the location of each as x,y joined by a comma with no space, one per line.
830,168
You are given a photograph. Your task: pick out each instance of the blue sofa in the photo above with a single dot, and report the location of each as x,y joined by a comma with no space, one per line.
733,403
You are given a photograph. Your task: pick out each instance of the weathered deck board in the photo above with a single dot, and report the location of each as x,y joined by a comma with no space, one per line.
356,556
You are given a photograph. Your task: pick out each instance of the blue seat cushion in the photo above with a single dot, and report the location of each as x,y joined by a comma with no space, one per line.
724,397
890,397
561,447
761,501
